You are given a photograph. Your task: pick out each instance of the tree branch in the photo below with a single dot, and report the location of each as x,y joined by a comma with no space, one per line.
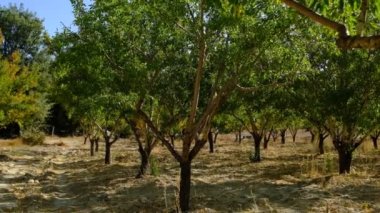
362,18
160,136
338,27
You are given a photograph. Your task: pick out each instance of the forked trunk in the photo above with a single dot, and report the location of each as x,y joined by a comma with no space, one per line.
210,141
184,190
107,158
274,135
267,138
294,134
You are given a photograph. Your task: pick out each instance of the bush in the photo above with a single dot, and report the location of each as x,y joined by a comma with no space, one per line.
33,137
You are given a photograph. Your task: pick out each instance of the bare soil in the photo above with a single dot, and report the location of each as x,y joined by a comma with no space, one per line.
61,176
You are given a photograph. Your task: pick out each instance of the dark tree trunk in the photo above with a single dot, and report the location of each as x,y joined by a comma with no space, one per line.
293,132
374,139
266,141
257,141
345,158
107,158
184,190
97,145
215,136
210,141
92,147
321,140
267,138
345,150
144,155
283,134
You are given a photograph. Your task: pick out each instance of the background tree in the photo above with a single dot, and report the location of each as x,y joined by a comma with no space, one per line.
344,92
24,72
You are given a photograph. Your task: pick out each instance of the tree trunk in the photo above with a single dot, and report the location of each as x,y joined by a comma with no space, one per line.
97,145
107,158
312,135
275,135
283,134
267,138
92,143
321,140
345,150
184,190
238,136
294,134
345,158
144,155
210,141
257,140
374,140
216,137
266,141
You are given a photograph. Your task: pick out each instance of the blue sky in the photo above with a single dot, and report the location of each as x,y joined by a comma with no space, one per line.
53,12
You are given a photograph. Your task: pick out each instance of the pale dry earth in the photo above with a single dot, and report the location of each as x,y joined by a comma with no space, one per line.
60,176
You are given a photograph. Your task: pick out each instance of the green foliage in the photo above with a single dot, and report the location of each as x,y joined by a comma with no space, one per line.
22,32
22,101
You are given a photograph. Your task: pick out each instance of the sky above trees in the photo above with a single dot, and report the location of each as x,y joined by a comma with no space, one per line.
56,14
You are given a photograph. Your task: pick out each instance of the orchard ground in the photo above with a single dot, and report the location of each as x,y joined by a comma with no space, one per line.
60,176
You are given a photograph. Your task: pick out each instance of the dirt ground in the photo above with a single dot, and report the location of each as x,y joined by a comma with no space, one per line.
60,176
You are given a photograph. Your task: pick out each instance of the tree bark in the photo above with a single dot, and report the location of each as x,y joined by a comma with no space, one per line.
210,142
283,134
374,139
345,159
184,190
321,140
257,141
144,156
293,132
345,150
97,145
107,158
92,147
375,143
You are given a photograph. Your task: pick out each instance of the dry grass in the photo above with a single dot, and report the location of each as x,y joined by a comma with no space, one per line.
291,178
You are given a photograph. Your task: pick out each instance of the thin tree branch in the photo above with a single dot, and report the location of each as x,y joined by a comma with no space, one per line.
362,18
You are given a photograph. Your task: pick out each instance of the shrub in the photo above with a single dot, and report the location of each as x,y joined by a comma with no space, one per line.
32,137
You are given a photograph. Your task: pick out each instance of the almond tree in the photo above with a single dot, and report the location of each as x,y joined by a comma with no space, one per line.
345,97
153,48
